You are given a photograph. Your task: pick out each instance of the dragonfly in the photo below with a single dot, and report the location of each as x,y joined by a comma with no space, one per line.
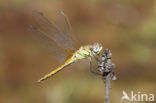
57,38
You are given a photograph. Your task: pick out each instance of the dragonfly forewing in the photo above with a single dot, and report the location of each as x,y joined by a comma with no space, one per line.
58,30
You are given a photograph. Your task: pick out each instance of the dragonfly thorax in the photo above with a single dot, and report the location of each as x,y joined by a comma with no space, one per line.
87,51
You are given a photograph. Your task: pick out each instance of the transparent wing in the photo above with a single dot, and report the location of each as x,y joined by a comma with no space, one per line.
64,25
52,47
59,30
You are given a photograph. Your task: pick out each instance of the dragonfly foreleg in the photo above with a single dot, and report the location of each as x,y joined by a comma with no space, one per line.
96,58
90,68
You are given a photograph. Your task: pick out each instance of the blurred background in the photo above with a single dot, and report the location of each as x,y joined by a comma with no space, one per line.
126,27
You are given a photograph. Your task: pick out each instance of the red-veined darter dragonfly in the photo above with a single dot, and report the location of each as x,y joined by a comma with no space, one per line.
58,38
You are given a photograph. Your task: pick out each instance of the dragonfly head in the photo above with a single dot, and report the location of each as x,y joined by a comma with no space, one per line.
97,48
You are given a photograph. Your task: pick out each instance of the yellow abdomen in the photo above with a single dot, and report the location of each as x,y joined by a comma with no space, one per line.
83,52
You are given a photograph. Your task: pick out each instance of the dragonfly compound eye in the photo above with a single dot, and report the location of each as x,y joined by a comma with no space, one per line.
96,48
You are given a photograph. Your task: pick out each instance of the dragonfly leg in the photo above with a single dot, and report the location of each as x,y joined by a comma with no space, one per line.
90,68
96,58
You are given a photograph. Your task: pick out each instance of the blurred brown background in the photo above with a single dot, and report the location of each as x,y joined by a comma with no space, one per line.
126,27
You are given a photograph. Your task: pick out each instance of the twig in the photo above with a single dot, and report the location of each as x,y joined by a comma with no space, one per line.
107,80
105,69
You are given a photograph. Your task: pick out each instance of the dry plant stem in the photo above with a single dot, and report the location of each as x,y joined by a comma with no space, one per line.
105,67
107,81
105,71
